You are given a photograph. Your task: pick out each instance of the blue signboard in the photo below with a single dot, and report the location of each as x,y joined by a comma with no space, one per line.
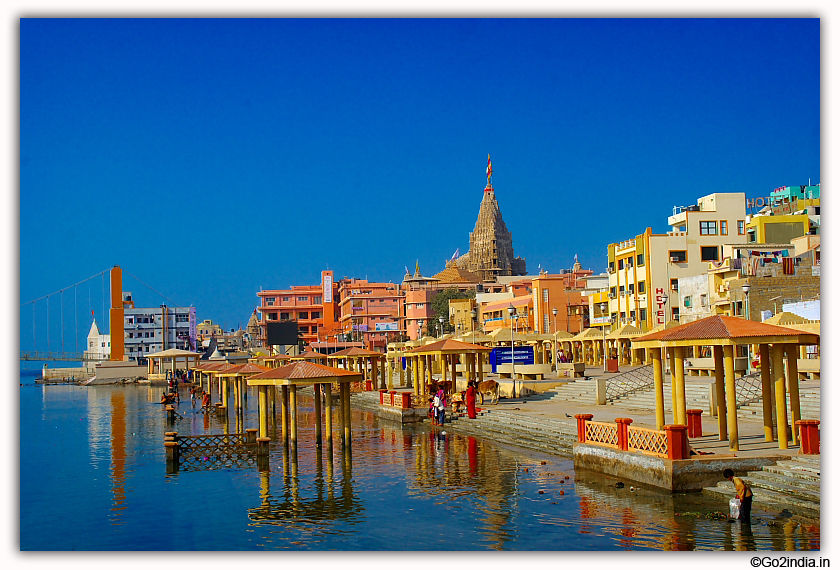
521,355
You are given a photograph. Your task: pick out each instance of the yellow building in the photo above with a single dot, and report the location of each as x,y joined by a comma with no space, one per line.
644,272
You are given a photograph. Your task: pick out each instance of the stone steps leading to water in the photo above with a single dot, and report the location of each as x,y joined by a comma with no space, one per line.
792,484
543,435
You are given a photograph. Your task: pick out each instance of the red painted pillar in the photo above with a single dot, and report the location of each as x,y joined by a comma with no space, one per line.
581,426
622,425
393,400
406,400
809,436
695,423
677,448
382,396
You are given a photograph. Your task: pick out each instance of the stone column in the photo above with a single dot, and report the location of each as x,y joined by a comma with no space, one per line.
720,392
659,407
731,409
793,387
316,389
678,385
285,413
347,416
766,391
263,405
443,367
328,406
421,368
429,378
382,383
454,358
293,415
778,352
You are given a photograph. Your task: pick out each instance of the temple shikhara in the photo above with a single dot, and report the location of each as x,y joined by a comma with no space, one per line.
491,243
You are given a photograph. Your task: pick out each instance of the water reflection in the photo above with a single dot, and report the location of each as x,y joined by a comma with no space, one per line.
461,491
118,429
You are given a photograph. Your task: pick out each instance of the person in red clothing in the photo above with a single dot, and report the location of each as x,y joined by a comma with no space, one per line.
470,399
205,400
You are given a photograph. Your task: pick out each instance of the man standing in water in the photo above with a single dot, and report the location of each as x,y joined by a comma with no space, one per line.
743,492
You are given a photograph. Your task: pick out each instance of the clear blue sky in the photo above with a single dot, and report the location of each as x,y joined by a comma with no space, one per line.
213,157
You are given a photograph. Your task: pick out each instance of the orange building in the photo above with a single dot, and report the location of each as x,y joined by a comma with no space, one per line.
371,312
550,292
314,307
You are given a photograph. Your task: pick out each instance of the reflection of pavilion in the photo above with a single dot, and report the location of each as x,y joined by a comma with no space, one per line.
332,500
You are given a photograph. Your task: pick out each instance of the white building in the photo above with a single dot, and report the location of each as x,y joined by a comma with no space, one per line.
98,346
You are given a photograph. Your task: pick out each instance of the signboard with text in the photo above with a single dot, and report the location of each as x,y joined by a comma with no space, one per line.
386,327
502,355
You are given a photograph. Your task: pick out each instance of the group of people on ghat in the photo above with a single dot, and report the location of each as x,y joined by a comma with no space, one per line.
466,398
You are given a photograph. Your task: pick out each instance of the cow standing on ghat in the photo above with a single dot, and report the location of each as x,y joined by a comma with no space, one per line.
489,388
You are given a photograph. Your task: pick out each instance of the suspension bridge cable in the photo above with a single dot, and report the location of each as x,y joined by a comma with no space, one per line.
173,303
76,315
62,320
103,297
48,323
65,288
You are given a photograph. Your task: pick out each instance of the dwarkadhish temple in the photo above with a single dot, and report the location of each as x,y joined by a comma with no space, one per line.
491,243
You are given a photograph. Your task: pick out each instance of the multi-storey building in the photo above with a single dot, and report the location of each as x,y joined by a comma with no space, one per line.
549,293
314,307
372,312
644,272
159,328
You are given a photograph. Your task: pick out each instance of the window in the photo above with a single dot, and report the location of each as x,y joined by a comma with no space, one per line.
283,316
545,295
641,287
687,302
130,335
304,330
724,228
632,315
303,315
611,268
303,298
620,264
640,259
642,314
741,227
269,301
708,228
675,284
316,314
675,314
678,256
630,288
273,316
704,300
317,300
285,299
709,253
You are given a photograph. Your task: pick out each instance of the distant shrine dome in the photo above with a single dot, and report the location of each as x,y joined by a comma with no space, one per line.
491,244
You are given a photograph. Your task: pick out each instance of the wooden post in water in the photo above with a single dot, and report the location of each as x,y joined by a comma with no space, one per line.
316,388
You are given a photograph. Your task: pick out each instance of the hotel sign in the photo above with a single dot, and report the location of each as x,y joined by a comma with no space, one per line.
327,291
661,299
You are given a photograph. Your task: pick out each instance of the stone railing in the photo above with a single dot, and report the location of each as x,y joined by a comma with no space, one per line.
668,443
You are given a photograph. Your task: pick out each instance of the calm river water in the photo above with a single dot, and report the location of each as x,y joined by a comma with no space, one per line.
93,477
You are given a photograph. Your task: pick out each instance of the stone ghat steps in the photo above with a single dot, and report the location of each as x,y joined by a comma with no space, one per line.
809,407
789,485
582,391
696,397
544,435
